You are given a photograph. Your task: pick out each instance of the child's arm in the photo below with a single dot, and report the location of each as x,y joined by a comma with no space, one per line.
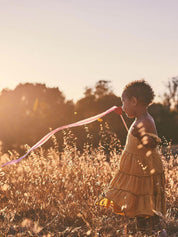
145,131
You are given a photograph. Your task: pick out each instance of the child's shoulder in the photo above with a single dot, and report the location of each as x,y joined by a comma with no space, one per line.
145,130
146,124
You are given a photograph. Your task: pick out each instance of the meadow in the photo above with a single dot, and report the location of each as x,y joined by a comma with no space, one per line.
52,193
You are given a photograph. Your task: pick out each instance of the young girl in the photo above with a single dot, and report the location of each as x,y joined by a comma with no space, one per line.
137,189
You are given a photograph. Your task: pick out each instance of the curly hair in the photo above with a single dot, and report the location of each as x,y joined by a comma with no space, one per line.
141,90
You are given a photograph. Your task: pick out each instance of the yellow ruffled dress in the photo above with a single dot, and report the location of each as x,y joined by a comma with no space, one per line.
137,188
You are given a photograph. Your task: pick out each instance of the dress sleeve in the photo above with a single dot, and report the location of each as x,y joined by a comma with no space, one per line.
150,140
147,139
153,136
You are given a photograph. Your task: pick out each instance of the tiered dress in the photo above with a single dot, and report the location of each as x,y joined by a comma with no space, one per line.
137,188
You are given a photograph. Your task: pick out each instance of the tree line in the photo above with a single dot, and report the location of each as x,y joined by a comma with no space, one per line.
29,111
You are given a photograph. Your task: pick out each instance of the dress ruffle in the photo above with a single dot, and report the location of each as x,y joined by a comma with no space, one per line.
137,188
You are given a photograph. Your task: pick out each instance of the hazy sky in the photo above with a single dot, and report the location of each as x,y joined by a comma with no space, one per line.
72,44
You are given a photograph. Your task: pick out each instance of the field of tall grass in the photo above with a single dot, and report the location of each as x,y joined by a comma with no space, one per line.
52,193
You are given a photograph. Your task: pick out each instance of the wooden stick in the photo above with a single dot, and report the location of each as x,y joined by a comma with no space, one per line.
124,122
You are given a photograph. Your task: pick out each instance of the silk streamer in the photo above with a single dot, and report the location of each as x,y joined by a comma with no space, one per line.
47,136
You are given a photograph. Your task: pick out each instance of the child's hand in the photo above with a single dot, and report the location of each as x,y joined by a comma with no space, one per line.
118,110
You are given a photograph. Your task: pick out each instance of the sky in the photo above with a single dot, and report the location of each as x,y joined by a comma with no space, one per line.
72,44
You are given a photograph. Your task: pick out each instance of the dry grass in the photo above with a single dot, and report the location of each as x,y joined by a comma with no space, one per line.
53,194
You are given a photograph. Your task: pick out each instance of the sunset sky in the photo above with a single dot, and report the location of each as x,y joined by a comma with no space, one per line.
72,44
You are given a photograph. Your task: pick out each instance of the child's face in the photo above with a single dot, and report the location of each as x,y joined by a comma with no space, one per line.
128,105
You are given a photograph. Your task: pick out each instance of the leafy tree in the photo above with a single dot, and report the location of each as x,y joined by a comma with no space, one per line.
102,88
95,101
28,111
171,96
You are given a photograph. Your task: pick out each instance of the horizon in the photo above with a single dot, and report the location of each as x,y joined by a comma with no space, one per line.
158,98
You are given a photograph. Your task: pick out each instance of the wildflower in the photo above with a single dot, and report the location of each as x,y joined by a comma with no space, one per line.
100,120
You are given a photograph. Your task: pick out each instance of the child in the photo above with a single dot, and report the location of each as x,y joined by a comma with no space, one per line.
137,189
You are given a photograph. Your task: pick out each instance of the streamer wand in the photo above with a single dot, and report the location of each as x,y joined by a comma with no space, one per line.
118,110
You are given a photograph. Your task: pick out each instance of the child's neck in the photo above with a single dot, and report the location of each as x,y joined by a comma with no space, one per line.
141,114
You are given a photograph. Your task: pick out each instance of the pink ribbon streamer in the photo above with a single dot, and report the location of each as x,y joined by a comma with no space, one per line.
79,123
